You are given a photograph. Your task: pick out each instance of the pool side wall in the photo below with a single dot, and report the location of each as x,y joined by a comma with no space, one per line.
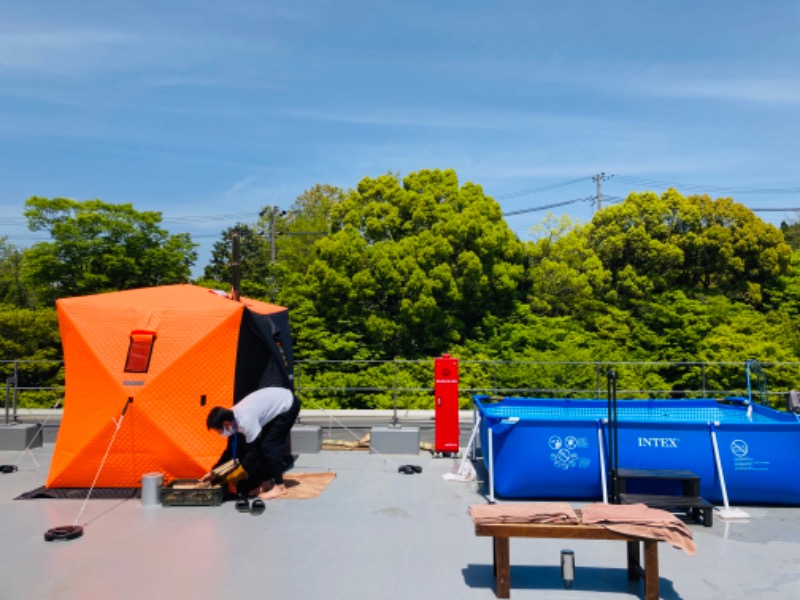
555,456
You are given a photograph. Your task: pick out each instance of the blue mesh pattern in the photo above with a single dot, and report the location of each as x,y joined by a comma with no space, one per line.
650,412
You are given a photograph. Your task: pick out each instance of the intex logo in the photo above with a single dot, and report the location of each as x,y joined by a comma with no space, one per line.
655,442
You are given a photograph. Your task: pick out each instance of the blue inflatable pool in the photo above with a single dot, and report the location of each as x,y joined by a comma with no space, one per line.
551,448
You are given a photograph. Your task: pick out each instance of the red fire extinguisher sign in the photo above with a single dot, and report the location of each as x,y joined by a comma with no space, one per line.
445,391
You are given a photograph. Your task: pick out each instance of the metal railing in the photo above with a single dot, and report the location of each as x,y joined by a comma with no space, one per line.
401,384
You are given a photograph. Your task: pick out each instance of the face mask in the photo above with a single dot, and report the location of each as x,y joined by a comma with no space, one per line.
227,431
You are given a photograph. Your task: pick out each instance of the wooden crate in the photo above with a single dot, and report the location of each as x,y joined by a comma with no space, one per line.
178,493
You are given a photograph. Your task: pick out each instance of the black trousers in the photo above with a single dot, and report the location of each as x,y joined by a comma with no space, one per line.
264,460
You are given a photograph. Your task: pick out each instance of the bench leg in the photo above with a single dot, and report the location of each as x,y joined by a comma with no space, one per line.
634,565
651,591
502,567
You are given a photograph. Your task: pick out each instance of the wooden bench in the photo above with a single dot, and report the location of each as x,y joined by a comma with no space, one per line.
503,532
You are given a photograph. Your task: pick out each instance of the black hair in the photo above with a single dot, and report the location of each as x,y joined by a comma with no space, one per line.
217,417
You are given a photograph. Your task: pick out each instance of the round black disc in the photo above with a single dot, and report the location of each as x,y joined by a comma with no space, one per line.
68,532
8,468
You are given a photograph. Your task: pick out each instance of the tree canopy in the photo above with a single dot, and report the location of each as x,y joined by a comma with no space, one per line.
14,290
98,246
416,266
413,267
650,244
254,262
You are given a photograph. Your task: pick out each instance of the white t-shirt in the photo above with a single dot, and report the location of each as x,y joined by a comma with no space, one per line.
258,408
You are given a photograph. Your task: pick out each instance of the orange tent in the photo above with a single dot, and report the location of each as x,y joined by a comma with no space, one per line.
175,352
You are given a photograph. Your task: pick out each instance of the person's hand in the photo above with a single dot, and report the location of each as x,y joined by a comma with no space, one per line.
206,478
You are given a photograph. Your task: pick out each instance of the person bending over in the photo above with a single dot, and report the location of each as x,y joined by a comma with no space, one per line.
257,428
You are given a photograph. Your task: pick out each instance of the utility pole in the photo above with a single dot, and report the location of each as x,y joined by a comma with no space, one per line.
599,180
272,246
236,267
273,212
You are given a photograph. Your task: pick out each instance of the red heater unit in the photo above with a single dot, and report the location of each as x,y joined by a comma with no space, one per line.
445,390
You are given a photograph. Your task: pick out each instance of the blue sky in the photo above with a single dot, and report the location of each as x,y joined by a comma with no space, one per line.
208,111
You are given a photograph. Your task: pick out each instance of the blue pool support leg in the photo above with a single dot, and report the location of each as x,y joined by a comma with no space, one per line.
491,466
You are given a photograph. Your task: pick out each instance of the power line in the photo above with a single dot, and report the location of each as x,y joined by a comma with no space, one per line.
706,188
548,206
545,188
210,218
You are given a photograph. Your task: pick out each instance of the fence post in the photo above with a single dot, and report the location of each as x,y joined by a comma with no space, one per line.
703,370
16,391
597,380
394,392
8,398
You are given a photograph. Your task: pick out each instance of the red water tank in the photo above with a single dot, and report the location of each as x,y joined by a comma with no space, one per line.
445,392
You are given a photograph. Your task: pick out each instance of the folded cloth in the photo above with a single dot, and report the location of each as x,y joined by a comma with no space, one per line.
544,512
642,521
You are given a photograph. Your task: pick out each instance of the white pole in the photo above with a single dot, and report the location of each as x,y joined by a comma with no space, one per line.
491,466
602,461
475,417
719,466
726,512
469,445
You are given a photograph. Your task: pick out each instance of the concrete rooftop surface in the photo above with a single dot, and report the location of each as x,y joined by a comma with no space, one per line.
372,533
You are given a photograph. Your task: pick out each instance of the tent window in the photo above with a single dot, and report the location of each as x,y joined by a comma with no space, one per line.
139,351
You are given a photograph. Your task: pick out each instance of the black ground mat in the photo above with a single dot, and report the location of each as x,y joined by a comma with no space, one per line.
81,493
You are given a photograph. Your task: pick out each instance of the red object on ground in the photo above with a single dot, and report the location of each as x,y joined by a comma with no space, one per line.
445,391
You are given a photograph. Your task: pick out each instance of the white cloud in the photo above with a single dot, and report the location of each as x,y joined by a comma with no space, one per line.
58,52
750,90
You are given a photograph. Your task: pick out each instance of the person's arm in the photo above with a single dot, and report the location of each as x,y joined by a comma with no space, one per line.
227,455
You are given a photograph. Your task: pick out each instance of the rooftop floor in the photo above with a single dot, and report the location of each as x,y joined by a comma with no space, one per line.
373,533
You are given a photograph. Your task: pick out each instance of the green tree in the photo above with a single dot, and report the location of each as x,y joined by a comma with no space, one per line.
307,221
98,247
413,267
650,244
566,276
14,290
31,338
254,262
791,234
267,270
